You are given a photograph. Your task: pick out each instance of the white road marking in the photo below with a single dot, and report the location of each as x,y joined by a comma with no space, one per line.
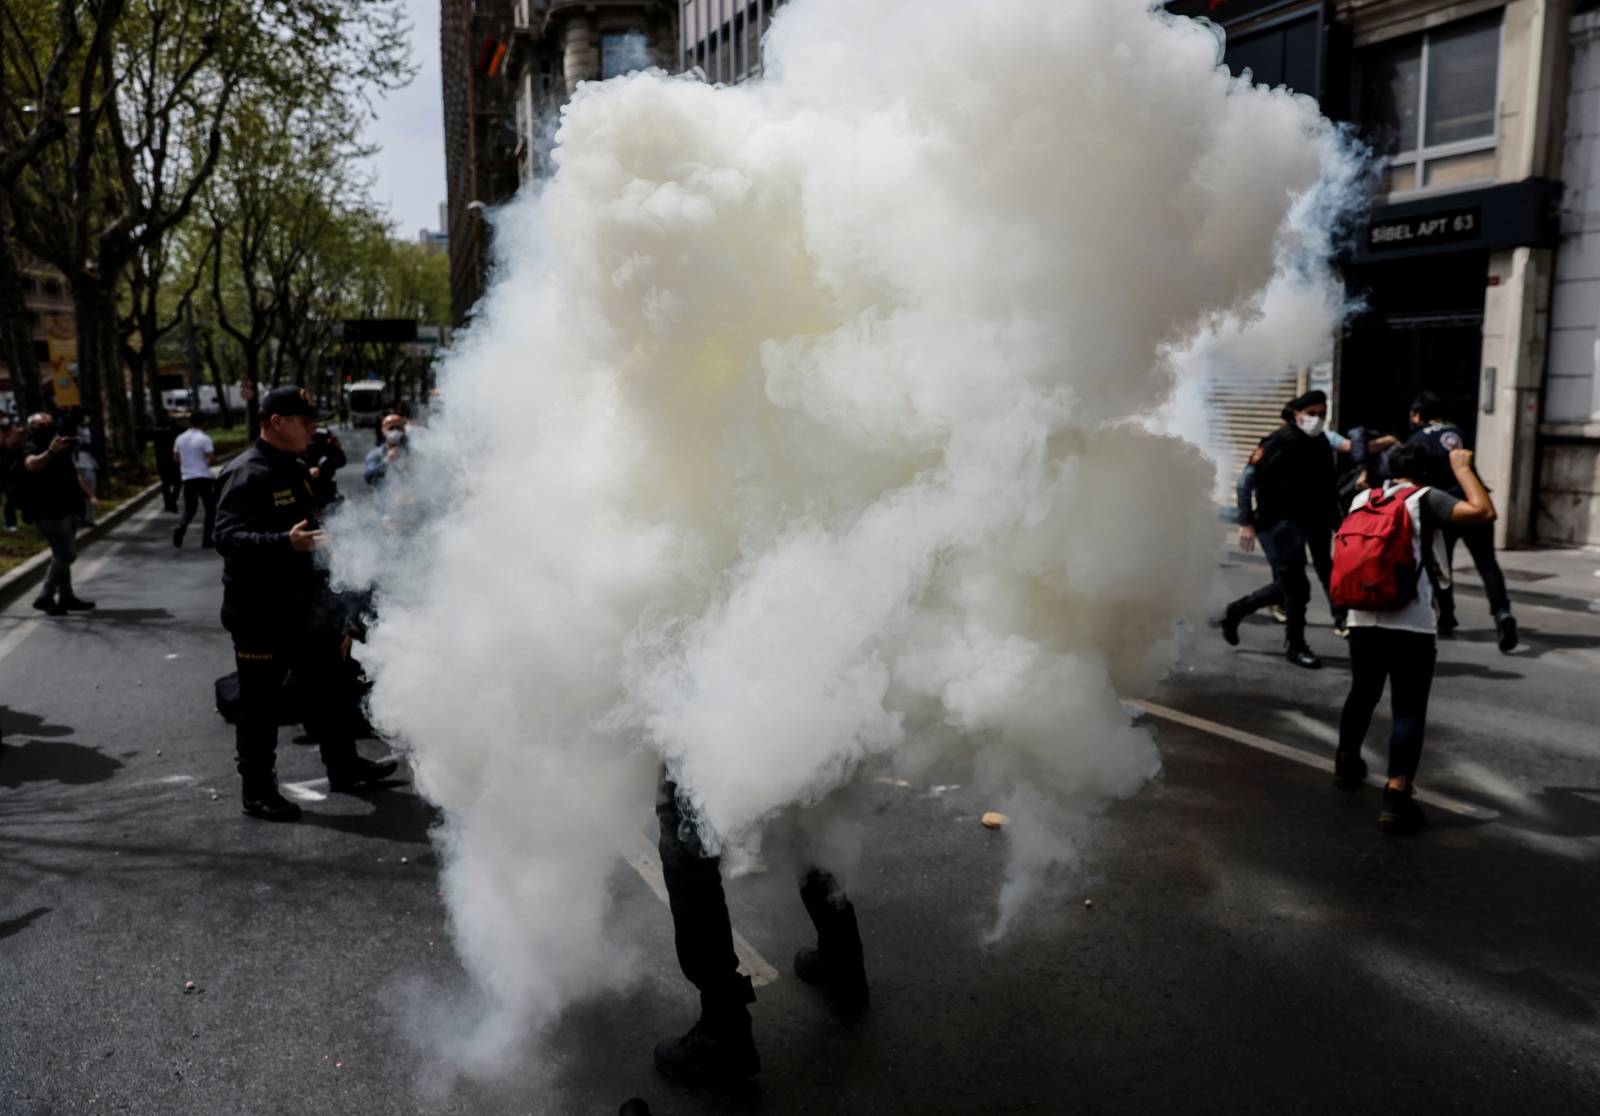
1284,751
82,571
642,857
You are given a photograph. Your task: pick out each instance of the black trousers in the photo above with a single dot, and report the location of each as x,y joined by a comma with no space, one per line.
1405,661
1479,538
265,655
701,928
201,490
171,486
1286,543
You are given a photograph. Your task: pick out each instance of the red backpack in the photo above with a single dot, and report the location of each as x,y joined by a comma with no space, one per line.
1374,561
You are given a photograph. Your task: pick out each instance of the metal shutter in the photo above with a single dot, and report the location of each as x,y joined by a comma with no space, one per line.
1245,407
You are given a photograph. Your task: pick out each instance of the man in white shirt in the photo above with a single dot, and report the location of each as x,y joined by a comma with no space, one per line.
194,452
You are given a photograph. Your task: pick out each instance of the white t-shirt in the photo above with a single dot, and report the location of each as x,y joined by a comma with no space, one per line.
1429,510
192,448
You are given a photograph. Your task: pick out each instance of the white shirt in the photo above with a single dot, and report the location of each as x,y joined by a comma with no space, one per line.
1429,510
193,447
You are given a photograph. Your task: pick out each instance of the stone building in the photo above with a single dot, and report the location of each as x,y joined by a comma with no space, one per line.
479,135
1456,261
561,43
722,38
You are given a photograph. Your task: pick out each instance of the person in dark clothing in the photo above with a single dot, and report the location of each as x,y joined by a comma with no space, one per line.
1442,437
1397,646
324,458
719,1048
161,441
13,444
53,498
281,612
1288,499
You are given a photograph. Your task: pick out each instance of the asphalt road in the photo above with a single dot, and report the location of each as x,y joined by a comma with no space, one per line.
1254,943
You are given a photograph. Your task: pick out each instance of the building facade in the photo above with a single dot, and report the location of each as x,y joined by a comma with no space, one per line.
479,136
722,38
561,43
53,331
1454,264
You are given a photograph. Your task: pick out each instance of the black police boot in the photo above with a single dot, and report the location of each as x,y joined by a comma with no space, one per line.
1230,626
718,1050
1349,770
177,536
353,773
1300,655
70,603
842,978
1505,626
1401,815
46,604
262,799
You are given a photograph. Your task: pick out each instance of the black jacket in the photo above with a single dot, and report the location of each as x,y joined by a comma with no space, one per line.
1293,477
49,493
1439,438
265,581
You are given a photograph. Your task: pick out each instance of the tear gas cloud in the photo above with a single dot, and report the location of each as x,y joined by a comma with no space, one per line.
804,432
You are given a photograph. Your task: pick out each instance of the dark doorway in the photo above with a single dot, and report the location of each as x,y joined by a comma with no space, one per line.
1421,328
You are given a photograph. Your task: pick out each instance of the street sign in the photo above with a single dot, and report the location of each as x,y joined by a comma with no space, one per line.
380,331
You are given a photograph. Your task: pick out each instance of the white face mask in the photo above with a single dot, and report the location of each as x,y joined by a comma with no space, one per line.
395,437
1311,424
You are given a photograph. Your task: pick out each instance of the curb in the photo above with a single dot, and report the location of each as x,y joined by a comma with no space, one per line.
13,584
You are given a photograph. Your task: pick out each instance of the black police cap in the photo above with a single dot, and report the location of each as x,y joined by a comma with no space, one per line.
289,400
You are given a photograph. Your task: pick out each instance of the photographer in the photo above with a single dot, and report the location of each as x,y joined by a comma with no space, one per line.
53,497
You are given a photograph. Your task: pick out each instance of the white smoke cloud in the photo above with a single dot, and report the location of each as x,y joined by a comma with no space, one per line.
802,432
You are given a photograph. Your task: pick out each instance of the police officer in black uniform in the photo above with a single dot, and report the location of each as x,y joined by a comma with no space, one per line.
281,612
1440,436
1288,499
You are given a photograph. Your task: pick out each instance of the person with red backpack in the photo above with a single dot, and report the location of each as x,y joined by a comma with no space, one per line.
1386,570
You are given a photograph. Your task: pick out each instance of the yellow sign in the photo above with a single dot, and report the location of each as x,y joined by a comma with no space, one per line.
62,339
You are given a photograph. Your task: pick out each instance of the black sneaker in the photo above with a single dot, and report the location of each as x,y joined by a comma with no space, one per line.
75,604
1230,628
1302,657
720,1052
1401,815
359,774
177,536
268,804
1506,627
49,607
1447,627
1349,771
845,984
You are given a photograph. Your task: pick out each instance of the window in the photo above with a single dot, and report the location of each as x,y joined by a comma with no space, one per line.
29,284
52,287
623,53
1429,104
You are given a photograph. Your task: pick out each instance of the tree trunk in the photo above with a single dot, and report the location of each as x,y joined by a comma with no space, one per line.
88,321
16,335
216,379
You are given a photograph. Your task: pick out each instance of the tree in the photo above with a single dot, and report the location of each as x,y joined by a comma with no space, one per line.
156,86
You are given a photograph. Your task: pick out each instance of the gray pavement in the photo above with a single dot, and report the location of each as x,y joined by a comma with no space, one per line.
1254,944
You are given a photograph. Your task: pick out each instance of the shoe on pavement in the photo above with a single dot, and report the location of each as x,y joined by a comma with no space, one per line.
71,603
1401,815
49,607
1277,614
177,536
1342,631
1448,626
845,983
268,804
1505,627
1302,657
1349,771
718,1050
357,774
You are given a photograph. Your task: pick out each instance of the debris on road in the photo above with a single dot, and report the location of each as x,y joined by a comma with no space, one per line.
1088,904
993,820
188,986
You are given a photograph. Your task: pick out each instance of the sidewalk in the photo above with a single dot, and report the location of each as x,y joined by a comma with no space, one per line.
1558,577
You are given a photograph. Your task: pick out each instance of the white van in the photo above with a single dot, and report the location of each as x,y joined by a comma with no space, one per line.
365,398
